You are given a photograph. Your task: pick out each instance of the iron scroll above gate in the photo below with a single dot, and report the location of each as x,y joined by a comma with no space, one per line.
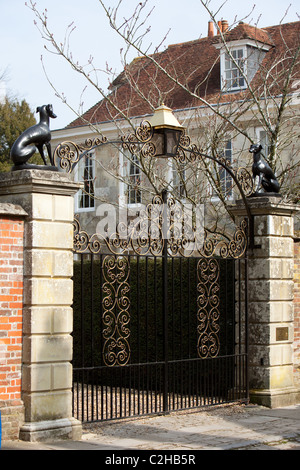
147,236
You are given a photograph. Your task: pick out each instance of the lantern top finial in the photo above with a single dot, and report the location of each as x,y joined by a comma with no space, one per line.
163,118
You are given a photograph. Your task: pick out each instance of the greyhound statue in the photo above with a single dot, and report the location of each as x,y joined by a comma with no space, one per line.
266,178
33,140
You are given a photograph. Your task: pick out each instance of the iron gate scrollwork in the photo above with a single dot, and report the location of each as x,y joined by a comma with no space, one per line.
208,314
116,316
161,318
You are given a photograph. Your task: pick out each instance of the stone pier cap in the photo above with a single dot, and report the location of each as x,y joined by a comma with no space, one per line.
28,181
258,204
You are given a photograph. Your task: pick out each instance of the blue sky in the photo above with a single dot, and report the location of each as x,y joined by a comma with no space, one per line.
22,45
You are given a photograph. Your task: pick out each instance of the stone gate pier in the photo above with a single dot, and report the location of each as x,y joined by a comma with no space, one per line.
47,199
270,301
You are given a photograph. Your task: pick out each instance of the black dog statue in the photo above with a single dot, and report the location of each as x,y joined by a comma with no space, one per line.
266,178
33,140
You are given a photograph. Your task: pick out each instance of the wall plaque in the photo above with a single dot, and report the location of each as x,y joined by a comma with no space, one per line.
282,333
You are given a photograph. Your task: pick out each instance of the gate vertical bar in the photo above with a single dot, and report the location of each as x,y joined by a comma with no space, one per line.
165,299
82,335
246,328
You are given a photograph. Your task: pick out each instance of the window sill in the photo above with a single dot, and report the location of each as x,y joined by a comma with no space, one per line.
85,209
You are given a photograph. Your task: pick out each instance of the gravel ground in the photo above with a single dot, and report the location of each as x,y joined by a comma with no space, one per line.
233,427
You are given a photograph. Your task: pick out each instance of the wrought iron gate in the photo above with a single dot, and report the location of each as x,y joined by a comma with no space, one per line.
160,322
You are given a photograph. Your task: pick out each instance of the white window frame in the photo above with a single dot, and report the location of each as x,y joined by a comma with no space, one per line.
124,188
247,46
228,155
177,180
134,194
263,140
78,169
234,69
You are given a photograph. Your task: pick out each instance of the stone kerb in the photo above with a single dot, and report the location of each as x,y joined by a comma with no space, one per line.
270,301
47,197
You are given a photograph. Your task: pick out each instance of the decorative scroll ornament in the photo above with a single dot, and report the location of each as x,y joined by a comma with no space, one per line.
233,248
188,152
140,141
116,304
67,154
82,242
158,224
208,315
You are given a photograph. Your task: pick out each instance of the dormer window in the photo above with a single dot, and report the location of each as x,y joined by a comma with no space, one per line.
240,60
233,76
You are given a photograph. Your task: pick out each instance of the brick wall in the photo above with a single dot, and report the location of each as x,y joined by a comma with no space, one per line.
297,311
11,304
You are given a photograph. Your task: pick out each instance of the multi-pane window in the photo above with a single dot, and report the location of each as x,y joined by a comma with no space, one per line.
263,140
134,181
86,175
234,69
178,179
223,180
240,65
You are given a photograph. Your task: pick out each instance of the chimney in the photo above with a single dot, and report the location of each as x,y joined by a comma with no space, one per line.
224,26
211,31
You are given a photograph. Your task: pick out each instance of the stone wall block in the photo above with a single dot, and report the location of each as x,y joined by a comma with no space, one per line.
63,263
43,262
274,225
265,290
52,207
265,355
45,406
36,377
281,377
43,377
272,311
273,247
62,376
48,291
42,206
41,320
63,208
271,268
40,234
47,348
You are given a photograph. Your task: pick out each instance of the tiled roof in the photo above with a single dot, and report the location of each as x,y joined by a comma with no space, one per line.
195,64
246,31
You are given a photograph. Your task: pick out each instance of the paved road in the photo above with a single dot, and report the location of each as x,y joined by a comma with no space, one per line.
236,427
